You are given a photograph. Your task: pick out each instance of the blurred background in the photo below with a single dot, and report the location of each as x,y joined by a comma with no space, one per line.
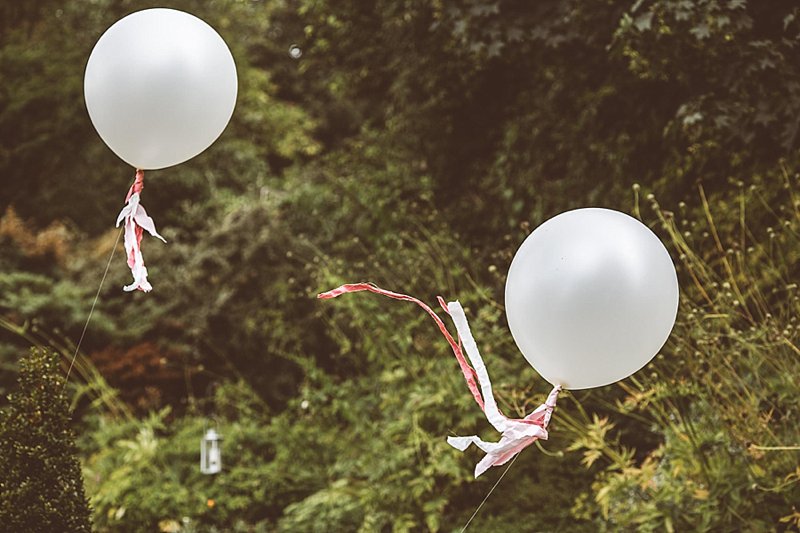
415,144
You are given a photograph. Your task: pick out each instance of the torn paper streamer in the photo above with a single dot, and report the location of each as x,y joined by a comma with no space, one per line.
515,434
136,221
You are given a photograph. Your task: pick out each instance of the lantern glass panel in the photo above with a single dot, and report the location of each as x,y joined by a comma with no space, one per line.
211,453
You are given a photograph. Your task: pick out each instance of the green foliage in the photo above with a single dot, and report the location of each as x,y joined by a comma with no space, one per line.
722,395
52,157
415,145
735,58
41,488
127,460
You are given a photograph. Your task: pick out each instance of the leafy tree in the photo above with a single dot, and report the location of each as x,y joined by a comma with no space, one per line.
41,487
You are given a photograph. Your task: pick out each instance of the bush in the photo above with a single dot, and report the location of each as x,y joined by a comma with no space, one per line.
144,474
41,488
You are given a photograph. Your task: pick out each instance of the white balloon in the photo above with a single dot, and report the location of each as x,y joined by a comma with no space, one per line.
160,87
591,297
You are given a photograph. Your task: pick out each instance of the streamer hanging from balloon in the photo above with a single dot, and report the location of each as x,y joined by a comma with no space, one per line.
136,221
516,433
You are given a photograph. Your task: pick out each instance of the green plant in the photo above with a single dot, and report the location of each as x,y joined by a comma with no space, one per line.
128,459
41,488
722,398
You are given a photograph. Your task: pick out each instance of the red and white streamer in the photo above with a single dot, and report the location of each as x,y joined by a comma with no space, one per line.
136,221
516,433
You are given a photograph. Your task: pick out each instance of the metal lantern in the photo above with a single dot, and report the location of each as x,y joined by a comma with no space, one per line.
211,452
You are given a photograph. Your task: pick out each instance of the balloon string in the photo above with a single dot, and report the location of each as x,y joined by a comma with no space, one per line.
490,493
91,311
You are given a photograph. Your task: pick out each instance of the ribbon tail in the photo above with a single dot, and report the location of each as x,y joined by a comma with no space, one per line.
483,465
515,439
516,434
497,453
462,443
136,222
466,370
146,222
139,272
122,214
493,414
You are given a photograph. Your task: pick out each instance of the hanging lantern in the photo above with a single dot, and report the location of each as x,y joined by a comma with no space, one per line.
211,452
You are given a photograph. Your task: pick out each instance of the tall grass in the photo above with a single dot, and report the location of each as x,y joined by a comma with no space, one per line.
722,400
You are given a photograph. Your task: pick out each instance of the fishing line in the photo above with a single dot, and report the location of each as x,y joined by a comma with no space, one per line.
490,493
91,311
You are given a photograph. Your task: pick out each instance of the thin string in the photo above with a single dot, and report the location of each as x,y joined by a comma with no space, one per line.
91,311
490,493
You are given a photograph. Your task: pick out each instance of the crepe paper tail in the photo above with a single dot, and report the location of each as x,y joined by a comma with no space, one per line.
468,371
514,439
461,443
136,221
516,434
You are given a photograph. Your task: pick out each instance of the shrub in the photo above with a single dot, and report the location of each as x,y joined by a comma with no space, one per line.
41,488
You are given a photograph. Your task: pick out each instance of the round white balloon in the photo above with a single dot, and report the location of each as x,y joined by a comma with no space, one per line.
160,87
591,297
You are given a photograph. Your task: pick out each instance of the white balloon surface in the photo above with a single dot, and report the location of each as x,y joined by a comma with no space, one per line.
160,87
591,297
